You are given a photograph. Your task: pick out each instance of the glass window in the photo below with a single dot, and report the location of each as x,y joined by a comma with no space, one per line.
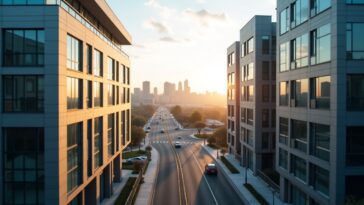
23,47
321,44
355,146
265,93
265,140
231,59
354,41
89,59
298,197
98,62
97,94
273,117
250,137
89,94
284,57
355,92
97,142
23,165
299,52
320,179
265,70
283,130
317,6
298,168
299,93
320,92
273,94
250,93
74,156
283,93
248,72
23,93
74,53
265,45
299,12
250,44
74,93
265,117
111,69
284,21
111,94
110,135
320,141
250,116
274,70
283,158
299,135
243,115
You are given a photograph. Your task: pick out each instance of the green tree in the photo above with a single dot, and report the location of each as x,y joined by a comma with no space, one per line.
138,121
211,140
195,116
137,135
176,110
221,136
199,125
223,151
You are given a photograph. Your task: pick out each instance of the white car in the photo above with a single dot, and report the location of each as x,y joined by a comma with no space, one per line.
135,159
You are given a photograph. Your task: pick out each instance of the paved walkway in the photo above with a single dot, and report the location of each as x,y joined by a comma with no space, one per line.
146,189
117,187
237,181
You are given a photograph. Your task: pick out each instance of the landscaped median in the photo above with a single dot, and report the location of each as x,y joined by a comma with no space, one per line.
125,192
228,165
256,194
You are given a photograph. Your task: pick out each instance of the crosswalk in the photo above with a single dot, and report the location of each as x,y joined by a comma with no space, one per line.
166,142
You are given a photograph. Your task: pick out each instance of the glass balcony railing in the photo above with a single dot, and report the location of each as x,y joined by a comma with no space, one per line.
73,12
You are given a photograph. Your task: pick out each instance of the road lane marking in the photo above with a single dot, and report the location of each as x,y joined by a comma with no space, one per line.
203,174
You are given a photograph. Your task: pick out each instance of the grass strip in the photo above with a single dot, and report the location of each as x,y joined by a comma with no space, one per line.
254,192
127,155
231,167
124,194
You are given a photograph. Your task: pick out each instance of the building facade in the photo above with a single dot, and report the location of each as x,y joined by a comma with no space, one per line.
257,96
320,82
233,100
65,86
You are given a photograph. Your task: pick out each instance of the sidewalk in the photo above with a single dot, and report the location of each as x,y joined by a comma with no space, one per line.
117,187
237,181
146,190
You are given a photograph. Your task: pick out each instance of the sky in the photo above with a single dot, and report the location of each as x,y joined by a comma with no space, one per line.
174,40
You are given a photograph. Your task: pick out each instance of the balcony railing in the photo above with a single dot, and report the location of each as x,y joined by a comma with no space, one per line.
73,12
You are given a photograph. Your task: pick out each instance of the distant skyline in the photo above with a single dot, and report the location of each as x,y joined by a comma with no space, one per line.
177,40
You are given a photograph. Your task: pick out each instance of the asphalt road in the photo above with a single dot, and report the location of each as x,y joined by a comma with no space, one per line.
180,180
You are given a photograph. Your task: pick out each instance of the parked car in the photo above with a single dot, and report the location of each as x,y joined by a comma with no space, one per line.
134,159
162,131
177,144
211,169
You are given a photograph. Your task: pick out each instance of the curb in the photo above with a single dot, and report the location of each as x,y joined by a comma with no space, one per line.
232,184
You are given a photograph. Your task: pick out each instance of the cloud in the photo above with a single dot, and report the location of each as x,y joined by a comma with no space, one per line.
205,17
201,1
159,26
169,39
164,11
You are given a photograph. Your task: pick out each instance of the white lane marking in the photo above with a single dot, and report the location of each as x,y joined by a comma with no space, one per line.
208,185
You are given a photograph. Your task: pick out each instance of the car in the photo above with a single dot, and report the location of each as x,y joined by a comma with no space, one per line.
162,131
135,159
179,137
177,144
211,169
177,128
148,128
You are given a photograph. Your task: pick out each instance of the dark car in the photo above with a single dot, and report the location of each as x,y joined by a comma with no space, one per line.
177,145
211,169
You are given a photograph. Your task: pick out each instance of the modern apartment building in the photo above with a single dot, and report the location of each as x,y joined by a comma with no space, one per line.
320,119
257,96
65,108
233,100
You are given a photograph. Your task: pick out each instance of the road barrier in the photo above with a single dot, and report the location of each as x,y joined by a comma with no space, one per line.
130,199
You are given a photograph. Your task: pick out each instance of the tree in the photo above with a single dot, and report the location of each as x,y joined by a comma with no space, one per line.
138,166
211,140
137,135
221,136
223,151
199,125
176,110
149,152
138,121
195,116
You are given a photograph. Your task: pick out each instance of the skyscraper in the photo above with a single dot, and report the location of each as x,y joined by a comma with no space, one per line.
146,87
63,129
